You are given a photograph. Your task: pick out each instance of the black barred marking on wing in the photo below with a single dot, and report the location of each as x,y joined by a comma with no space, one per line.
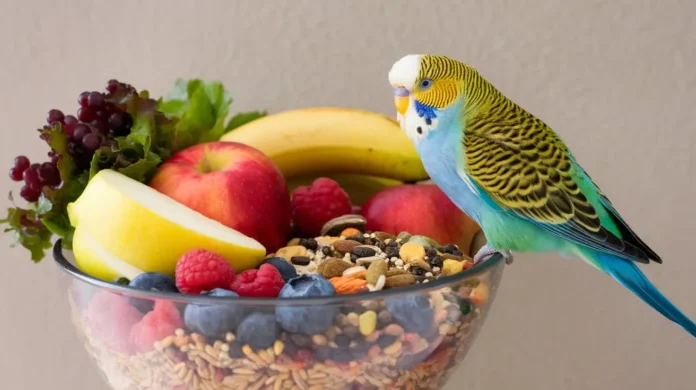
521,163
525,167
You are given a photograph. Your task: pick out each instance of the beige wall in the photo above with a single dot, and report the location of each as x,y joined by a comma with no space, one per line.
616,79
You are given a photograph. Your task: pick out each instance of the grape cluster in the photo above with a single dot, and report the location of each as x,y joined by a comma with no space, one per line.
100,119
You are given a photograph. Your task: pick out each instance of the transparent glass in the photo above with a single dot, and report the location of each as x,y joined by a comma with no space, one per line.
406,338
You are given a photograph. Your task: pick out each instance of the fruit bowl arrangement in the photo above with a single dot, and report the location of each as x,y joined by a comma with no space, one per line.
299,250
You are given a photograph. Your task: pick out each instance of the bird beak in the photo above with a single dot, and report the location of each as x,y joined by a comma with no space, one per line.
401,99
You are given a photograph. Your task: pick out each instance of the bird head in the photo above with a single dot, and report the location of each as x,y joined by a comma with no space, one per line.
425,85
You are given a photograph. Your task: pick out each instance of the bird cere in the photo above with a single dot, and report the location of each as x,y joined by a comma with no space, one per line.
514,176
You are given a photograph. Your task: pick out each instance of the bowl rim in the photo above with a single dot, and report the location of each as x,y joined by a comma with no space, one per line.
66,266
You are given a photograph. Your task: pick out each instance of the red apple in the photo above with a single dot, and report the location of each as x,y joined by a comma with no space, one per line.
420,209
232,183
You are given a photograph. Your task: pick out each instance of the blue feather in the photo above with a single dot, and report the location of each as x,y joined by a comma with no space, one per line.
629,275
425,111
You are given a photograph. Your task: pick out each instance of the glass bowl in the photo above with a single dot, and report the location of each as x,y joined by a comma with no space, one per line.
403,338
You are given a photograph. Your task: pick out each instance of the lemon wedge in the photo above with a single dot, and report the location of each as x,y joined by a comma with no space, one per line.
123,226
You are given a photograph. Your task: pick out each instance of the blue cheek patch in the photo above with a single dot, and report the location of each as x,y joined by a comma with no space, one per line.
425,111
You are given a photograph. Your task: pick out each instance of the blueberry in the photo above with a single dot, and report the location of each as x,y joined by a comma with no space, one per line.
287,270
151,281
307,319
412,312
258,330
214,321
154,281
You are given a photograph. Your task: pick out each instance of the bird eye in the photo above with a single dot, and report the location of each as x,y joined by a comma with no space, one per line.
425,84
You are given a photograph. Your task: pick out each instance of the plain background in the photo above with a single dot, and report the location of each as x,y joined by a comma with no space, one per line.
616,79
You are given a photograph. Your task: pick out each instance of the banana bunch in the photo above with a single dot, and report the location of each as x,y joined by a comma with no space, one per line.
363,151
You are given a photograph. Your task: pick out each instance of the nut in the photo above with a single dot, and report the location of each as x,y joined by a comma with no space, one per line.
335,226
451,267
406,279
410,251
333,267
289,252
348,284
350,232
375,270
345,246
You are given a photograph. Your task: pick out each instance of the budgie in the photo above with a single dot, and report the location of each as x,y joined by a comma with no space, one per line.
514,176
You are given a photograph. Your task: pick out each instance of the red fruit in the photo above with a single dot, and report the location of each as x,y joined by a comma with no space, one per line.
110,318
265,282
161,322
201,270
313,206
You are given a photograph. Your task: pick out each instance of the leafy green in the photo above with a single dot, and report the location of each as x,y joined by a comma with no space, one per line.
243,118
193,112
26,228
201,109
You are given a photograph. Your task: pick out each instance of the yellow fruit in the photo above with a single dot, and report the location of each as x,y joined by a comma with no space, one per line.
118,218
308,141
359,187
92,259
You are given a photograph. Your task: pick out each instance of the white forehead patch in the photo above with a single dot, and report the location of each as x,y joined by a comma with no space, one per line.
405,71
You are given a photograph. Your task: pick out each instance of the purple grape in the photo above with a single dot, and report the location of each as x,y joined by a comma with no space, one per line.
80,131
70,123
21,163
82,99
29,194
92,141
86,114
15,174
100,125
120,123
49,175
31,178
95,100
55,116
112,85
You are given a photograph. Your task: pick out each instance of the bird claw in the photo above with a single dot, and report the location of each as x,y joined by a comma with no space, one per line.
486,252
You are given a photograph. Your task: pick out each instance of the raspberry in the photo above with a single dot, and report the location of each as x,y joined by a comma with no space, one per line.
313,206
264,282
201,270
110,318
163,321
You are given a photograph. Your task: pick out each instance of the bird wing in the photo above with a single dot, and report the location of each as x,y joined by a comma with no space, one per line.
525,169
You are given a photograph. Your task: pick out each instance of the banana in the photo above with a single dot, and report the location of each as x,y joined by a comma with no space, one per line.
359,187
308,141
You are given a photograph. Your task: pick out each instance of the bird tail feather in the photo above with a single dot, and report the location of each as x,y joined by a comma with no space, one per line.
630,276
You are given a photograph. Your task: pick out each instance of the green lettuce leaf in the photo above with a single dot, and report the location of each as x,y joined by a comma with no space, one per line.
243,118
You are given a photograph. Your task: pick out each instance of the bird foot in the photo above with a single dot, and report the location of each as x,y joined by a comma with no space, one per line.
486,252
